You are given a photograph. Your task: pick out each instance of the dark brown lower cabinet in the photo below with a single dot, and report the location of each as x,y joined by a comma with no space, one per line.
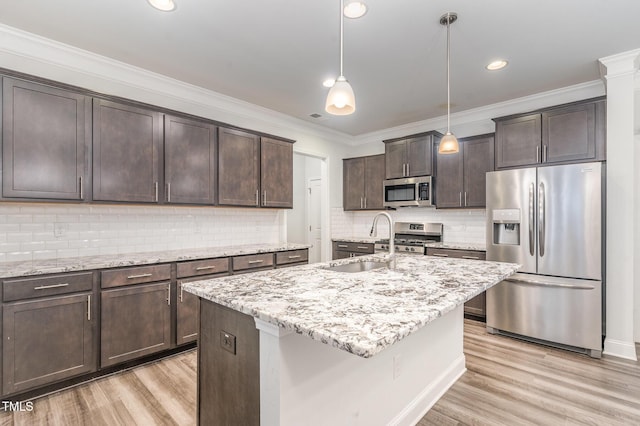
47,340
343,250
135,321
477,305
186,315
228,367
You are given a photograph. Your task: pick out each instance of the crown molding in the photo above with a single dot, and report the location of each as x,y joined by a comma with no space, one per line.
32,54
620,64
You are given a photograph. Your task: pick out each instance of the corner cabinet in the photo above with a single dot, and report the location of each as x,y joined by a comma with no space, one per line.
410,156
570,133
190,169
254,171
460,178
126,152
45,136
363,179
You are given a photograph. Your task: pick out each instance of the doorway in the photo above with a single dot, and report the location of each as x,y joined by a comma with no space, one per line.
305,222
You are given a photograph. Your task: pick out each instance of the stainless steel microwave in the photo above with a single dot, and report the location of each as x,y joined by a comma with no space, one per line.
408,192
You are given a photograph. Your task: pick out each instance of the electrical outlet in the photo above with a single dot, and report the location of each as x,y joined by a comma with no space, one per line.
228,341
60,229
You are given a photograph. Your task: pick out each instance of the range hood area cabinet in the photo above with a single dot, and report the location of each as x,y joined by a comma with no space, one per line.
254,171
61,143
460,181
363,183
410,156
569,133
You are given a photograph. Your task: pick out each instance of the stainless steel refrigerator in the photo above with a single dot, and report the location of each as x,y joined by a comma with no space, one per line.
549,220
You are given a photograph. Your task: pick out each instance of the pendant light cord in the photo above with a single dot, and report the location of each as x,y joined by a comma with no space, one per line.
341,34
448,74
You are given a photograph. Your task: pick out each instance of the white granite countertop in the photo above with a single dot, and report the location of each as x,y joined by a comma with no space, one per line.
86,263
361,313
458,246
366,240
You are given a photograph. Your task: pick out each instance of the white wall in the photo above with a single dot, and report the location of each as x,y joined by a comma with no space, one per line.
296,217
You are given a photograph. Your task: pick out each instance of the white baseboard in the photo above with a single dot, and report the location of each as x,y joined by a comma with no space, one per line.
620,349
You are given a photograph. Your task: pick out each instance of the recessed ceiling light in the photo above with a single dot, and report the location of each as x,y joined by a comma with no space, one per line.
163,5
355,9
329,82
497,65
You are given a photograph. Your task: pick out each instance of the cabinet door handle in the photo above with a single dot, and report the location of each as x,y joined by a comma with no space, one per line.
264,197
537,154
132,277
460,198
365,202
168,192
544,154
439,254
404,168
252,262
471,257
81,189
204,268
407,169
343,246
89,307
465,198
47,287
257,197
155,185
169,295
295,257
180,284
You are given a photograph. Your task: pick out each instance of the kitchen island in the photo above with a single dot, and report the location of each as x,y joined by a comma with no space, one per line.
316,345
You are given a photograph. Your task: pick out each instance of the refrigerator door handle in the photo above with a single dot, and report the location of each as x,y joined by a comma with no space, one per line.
549,284
541,219
532,189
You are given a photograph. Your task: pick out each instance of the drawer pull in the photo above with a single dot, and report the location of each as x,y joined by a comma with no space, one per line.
47,287
343,246
297,256
363,247
440,254
471,257
132,277
251,262
204,268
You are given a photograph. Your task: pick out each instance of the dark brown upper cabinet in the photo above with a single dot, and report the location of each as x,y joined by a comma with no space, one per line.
564,134
190,161
276,173
126,152
410,156
254,171
45,137
362,182
460,179
238,168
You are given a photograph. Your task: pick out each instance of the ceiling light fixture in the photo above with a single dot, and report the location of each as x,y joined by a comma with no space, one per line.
497,65
449,143
355,9
163,5
341,100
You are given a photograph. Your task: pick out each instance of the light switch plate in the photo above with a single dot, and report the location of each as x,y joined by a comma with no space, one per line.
228,341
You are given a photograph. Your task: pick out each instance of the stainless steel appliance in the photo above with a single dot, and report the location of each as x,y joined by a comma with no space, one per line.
410,237
408,192
549,220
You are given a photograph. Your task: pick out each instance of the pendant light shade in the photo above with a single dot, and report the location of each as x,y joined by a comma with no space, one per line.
449,143
341,99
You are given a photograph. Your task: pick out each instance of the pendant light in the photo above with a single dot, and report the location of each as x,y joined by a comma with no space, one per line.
449,143
341,100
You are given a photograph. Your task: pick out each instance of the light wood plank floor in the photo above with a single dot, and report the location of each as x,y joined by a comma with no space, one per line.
508,382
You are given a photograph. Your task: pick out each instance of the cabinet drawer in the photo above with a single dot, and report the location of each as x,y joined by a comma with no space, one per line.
252,261
458,254
292,256
29,288
137,275
355,247
202,267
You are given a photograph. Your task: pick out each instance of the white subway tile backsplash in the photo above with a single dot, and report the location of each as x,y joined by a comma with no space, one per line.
27,230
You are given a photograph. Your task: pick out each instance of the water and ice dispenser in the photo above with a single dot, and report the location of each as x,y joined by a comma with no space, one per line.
506,226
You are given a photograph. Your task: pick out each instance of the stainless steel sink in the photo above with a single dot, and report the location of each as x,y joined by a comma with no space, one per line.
359,266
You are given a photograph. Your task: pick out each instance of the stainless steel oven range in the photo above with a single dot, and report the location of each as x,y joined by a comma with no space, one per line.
412,236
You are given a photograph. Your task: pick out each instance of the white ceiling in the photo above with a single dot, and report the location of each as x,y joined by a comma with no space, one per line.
276,53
